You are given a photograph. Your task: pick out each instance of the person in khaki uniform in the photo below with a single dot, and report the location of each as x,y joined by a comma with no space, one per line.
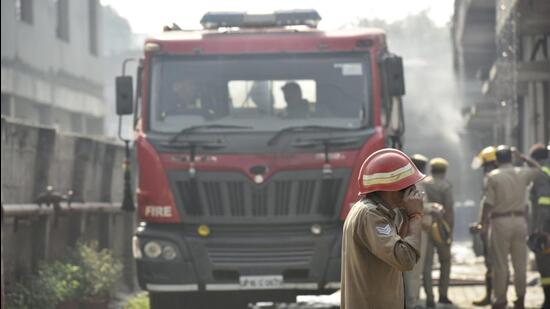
504,203
486,160
381,234
438,190
413,278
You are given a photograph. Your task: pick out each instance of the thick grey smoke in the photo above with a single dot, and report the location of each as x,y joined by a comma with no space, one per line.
434,122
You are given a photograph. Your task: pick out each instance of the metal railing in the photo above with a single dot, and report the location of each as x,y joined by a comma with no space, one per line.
31,210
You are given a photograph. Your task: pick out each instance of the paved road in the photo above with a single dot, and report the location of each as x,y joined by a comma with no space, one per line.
467,275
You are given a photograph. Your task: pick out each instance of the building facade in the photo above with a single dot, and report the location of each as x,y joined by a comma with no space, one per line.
52,71
502,64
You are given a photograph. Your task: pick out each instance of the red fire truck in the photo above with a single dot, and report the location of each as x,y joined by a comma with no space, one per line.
249,138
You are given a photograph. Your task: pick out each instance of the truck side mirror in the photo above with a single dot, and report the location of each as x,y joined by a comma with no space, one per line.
395,75
124,95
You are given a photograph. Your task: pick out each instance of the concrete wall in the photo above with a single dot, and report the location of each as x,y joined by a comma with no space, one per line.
35,157
28,241
49,80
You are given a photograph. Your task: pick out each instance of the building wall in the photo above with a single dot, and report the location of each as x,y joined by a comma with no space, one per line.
52,75
535,88
524,39
516,91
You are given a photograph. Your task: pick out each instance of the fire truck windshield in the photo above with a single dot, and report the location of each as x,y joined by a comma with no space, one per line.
268,92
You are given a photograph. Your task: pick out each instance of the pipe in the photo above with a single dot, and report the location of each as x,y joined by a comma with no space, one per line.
32,210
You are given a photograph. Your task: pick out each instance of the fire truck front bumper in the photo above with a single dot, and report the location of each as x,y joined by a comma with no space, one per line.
298,257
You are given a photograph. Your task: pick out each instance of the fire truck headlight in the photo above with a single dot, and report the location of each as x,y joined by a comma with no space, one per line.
203,230
316,229
169,252
136,249
152,249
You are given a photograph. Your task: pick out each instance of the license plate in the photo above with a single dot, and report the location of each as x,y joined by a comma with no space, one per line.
260,282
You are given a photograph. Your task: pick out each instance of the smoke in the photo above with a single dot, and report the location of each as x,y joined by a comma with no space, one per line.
434,122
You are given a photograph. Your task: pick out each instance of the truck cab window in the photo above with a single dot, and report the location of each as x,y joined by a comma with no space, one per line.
268,92
282,98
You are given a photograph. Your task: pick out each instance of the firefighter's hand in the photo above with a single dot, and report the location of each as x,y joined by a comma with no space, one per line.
412,201
476,228
437,209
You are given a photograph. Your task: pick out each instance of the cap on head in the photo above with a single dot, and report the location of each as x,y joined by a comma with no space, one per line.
420,161
438,165
485,156
387,169
539,152
504,154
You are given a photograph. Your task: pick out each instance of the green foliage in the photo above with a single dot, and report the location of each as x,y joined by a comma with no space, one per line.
99,271
63,278
88,275
54,283
140,301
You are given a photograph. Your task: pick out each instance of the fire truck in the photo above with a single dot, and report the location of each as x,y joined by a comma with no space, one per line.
249,136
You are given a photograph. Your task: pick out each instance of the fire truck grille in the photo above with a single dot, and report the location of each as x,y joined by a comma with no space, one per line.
286,194
235,255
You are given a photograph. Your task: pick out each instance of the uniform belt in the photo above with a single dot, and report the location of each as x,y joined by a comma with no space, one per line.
508,214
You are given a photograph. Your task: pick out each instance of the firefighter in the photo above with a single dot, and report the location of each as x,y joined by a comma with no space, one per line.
486,159
439,190
504,199
381,234
540,201
413,278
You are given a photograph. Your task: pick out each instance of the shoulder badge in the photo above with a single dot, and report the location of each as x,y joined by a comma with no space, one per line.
384,229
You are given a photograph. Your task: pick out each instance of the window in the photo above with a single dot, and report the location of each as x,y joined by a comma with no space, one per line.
23,10
267,92
63,20
268,96
92,25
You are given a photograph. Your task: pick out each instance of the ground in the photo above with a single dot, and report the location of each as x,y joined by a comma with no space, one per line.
466,286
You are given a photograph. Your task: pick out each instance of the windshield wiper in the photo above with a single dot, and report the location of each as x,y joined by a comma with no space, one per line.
191,129
308,128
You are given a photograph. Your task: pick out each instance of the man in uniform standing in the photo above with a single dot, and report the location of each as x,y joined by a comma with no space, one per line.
413,278
381,235
505,192
487,159
540,201
438,190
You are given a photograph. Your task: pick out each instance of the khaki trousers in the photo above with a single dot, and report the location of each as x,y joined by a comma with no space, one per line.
507,237
444,255
412,278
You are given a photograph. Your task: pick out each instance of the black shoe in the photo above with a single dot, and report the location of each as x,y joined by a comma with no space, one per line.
430,303
445,300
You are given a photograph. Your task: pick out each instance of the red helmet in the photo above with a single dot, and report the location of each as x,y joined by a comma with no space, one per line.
387,169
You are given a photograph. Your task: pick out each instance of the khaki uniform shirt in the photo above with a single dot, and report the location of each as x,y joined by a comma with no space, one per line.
374,257
439,190
506,188
427,218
